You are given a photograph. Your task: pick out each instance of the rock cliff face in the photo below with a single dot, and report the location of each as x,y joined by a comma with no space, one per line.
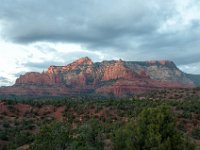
116,77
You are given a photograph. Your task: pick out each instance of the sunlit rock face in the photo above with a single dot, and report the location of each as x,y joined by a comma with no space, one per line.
115,77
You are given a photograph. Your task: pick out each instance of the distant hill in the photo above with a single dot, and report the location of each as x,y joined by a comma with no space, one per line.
194,78
114,77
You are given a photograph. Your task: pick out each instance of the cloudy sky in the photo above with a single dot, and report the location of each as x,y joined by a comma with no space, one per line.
37,33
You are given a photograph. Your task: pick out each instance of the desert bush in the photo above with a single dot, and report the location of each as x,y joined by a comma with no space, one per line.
20,138
181,126
4,135
52,137
196,133
89,135
155,129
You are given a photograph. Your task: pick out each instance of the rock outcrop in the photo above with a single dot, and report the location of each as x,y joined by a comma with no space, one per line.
115,77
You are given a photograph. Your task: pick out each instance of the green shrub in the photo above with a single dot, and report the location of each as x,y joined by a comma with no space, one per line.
53,136
4,135
20,138
89,134
6,124
187,114
181,126
155,129
196,133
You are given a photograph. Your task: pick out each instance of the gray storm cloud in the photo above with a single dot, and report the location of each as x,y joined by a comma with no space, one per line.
140,29
4,80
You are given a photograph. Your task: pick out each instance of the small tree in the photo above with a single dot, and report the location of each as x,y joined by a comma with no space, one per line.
52,137
196,133
89,136
155,129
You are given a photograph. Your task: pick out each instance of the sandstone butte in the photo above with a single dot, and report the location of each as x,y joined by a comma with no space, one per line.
115,77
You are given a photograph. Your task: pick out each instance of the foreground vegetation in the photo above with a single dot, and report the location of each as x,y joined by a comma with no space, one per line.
86,124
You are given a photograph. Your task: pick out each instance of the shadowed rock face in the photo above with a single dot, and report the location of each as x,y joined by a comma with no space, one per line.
119,78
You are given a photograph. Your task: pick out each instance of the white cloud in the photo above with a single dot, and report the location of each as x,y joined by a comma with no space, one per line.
11,54
16,58
33,36
186,12
191,68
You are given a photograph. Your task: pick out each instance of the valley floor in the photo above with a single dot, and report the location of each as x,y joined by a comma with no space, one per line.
93,124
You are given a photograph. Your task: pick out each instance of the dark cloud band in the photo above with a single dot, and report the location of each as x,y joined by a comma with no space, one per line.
111,26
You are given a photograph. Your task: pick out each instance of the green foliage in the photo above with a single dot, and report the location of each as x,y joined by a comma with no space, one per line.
181,126
126,138
6,124
151,126
192,105
196,133
89,135
153,130
57,136
187,114
4,135
52,137
197,148
21,138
